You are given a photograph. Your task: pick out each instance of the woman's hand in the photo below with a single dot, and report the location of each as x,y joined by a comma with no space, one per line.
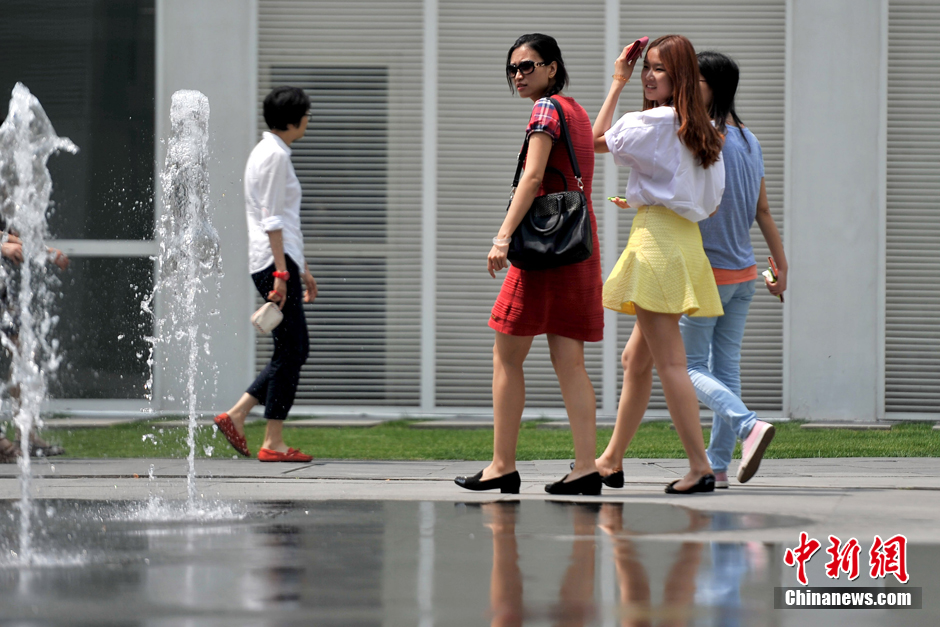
279,294
620,202
310,287
622,66
605,118
12,251
780,285
497,260
59,258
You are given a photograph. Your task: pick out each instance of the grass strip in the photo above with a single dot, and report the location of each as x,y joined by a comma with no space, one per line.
398,441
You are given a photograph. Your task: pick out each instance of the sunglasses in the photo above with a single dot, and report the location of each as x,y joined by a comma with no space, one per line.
526,67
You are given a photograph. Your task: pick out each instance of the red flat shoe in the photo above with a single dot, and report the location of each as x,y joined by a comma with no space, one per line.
237,440
292,455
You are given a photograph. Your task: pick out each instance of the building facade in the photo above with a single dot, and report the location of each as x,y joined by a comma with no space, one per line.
406,169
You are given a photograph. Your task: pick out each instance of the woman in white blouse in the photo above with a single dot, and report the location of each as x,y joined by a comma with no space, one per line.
280,274
676,180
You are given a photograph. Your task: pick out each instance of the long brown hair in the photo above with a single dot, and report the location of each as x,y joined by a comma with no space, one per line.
695,127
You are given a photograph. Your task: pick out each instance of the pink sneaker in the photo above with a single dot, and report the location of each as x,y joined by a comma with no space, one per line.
721,480
752,449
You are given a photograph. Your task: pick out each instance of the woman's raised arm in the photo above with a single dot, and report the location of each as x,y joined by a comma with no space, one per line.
623,69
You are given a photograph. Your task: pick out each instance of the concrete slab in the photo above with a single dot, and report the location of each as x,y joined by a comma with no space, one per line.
333,422
173,423
706,424
559,424
853,426
453,424
854,496
86,423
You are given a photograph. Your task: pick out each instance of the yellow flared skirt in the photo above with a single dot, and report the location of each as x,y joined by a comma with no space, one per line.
663,268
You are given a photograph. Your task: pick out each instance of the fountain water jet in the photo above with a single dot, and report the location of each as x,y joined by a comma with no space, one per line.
27,140
189,247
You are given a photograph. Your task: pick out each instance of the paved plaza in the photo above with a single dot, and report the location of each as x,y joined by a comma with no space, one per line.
857,496
397,543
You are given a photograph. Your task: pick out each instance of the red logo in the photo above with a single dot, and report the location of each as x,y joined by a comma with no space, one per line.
889,557
801,555
844,560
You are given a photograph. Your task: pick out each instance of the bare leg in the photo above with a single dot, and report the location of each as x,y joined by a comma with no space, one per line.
634,397
634,583
34,439
509,352
8,451
505,578
576,595
665,343
239,412
580,402
679,587
273,439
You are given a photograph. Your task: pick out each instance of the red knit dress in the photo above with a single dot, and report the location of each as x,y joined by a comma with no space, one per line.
565,301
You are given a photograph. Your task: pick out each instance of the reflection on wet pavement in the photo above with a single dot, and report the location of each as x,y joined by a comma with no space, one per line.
408,563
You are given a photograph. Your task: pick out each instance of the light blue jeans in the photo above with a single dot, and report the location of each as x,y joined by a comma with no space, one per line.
713,351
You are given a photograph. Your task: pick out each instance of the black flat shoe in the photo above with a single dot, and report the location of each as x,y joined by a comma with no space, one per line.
588,484
507,484
613,480
705,484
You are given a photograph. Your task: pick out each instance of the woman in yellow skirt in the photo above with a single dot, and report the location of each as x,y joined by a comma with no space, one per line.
676,180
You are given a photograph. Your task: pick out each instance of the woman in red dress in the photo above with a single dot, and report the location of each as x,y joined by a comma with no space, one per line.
564,303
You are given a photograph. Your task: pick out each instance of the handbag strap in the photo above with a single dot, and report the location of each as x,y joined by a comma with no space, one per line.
568,145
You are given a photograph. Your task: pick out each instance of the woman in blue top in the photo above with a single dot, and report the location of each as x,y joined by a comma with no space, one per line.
713,345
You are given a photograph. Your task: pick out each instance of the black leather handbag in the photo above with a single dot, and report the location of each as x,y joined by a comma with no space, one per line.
556,231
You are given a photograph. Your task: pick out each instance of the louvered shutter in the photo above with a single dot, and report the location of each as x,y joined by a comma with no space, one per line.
912,341
360,169
753,33
481,128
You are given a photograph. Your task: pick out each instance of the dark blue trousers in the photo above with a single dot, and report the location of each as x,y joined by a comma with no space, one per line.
276,385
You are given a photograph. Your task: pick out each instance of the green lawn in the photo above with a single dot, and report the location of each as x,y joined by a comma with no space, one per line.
398,441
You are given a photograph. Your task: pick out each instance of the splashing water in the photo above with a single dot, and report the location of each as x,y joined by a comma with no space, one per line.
27,140
189,247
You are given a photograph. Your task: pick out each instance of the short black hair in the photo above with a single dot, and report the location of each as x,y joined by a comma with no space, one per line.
547,48
285,105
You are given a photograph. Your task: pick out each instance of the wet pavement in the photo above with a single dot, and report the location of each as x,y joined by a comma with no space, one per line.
381,543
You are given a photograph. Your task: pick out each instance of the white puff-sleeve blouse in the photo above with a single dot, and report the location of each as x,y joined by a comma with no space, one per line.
663,171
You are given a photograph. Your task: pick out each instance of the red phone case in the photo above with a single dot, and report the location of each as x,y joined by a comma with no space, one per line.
637,48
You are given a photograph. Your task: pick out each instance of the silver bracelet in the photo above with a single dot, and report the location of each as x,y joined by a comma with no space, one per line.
501,242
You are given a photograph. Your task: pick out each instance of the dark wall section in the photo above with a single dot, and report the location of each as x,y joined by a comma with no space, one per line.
91,64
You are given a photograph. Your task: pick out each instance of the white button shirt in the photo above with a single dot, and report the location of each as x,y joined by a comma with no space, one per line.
272,203
663,171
